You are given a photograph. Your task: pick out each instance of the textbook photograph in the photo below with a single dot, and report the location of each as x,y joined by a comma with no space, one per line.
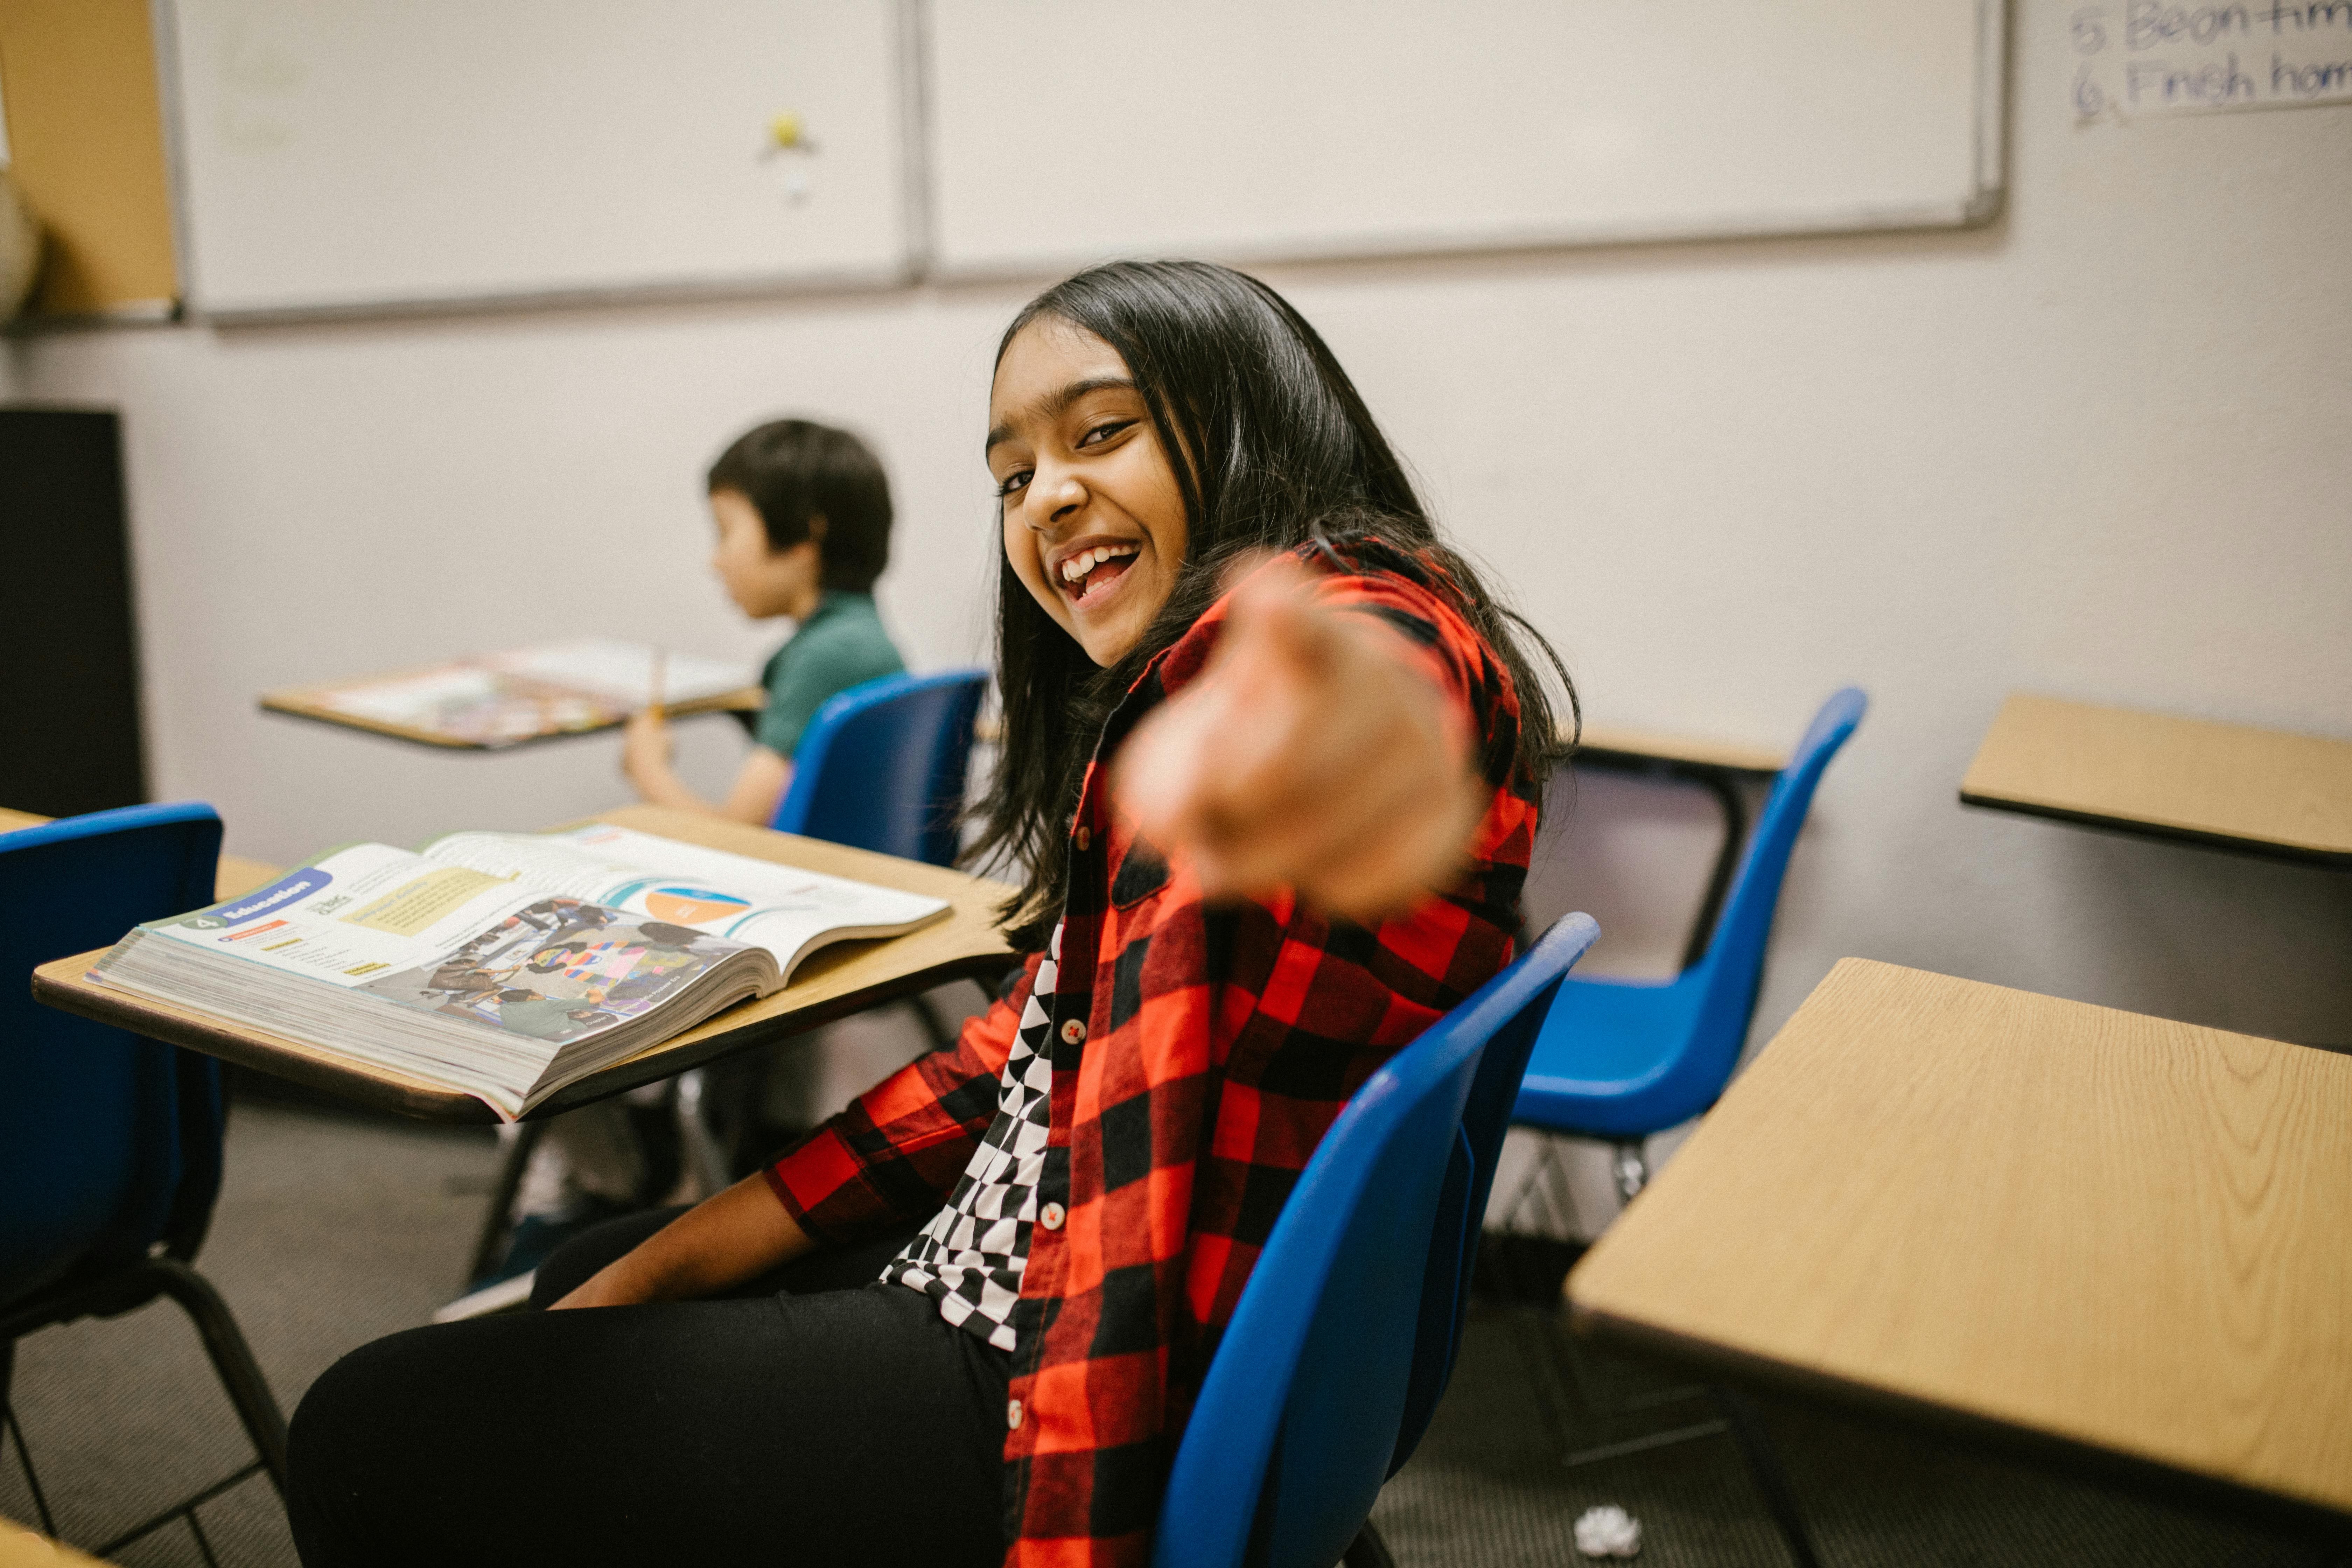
504,965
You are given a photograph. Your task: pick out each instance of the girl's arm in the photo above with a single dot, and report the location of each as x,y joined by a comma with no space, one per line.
738,1235
758,790
1315,752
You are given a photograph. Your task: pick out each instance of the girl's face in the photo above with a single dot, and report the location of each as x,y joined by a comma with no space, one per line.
1094,524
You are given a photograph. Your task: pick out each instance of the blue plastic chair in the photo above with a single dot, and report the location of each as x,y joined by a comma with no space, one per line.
1621,1059
881,766
109,1145
1346,1331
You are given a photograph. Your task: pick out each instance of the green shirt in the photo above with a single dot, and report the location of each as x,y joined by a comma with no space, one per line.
841,645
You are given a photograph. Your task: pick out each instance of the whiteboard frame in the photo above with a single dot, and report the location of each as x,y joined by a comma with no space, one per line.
914,197
1981,204
920,262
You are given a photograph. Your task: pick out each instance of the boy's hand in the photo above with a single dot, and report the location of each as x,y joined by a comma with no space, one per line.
646,747
1309,754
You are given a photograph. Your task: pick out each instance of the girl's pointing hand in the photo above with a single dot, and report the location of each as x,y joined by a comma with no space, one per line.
1310,753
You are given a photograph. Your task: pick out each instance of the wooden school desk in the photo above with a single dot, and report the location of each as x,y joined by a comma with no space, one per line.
2117,1240
831,982
1719,767
2260,792
310,702
236,874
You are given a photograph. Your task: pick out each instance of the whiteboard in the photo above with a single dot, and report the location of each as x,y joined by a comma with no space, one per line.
1067,131
350,155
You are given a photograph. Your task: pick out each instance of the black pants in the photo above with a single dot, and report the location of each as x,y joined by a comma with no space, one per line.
812,1416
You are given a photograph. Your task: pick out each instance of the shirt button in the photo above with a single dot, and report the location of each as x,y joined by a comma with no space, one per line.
1084,836
1052,1215
1073,1032
1013,1413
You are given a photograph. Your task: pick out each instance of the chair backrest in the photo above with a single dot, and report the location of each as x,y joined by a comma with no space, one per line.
1731,970
881,765
109,1143
1356,1293
1470,1177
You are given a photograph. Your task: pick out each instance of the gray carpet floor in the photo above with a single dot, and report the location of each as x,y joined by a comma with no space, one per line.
330,1231
1488,1485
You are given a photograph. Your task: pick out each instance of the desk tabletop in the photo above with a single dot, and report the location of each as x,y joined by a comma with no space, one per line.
833,982
2260,790
1616,743
317,702
2053,1219
22,1546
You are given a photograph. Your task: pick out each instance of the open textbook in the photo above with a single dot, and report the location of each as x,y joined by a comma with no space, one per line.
504,965
526,694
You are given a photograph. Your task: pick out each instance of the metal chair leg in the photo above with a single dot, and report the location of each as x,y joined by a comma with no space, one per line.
697,1144
232,1358
1368,1550
1629,1166
8,1425
521,1139
1725,787
1764,1467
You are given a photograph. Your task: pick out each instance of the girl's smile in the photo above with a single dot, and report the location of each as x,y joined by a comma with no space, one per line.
1094,522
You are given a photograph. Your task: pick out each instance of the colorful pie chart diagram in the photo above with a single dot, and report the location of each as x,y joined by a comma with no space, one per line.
692,906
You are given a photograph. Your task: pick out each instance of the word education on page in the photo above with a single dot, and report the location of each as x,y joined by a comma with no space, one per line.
2149,57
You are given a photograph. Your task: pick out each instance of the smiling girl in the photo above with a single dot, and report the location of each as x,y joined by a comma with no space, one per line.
1272,763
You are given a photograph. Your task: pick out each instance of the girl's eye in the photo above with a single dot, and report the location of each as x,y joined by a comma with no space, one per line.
1010,482
1104,432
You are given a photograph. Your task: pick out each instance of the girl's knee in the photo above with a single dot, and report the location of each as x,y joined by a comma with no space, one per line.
336,1444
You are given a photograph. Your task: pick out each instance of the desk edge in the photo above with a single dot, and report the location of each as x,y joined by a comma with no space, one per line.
63,984
2137,827
296,703
69,991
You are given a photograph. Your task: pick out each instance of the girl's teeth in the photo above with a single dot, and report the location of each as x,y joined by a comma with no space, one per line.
1085,561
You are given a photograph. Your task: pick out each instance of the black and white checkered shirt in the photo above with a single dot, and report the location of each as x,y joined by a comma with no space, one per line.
970,1257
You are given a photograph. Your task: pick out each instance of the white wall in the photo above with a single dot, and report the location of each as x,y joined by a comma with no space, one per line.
2097,450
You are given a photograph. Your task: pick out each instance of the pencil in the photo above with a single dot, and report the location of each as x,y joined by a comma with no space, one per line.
660,676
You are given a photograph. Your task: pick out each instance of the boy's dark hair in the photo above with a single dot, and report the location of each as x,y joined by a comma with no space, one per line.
1284,453
794,469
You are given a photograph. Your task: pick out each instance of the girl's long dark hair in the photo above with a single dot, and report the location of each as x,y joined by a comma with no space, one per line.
1283,452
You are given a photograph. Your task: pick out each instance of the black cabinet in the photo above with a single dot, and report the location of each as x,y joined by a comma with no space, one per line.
70,732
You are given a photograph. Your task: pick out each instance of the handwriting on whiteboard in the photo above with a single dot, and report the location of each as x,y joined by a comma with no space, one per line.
2154,57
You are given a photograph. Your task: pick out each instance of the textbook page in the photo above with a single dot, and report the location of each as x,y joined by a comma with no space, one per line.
479,706
622,671
787,910
525,694
509,972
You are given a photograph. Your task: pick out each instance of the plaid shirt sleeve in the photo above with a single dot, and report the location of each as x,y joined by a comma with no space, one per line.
1199,1053
893,1156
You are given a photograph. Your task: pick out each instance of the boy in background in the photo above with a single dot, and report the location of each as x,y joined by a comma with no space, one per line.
802,513
804,519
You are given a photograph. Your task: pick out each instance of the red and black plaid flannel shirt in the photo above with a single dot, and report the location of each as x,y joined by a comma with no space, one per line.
1200,1053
